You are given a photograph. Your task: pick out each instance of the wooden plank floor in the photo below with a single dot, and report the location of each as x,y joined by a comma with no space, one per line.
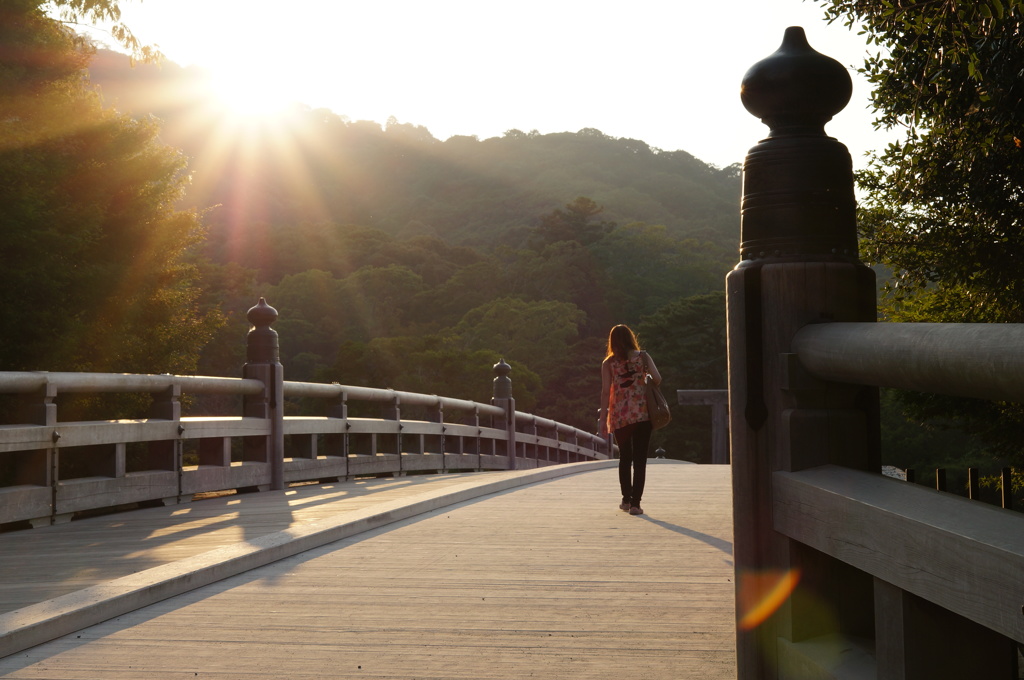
544,581
43,563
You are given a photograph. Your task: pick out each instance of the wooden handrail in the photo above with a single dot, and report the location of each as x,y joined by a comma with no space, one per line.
358,393
967,360
24,383
320,444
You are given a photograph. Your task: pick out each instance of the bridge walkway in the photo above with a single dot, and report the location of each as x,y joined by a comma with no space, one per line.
478,575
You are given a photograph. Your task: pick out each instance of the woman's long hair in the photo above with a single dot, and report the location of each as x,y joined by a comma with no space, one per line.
621,341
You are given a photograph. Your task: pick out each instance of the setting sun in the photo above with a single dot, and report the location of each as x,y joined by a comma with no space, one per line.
249,87
459,68
244,95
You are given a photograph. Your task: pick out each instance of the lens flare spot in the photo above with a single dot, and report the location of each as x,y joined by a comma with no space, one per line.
762,593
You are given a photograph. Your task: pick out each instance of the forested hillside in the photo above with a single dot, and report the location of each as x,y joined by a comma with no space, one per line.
400,260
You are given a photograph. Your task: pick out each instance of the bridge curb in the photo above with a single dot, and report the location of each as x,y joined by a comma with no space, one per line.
39,623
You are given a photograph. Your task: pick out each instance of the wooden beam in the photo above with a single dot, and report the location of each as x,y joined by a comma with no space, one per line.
702,397
962,555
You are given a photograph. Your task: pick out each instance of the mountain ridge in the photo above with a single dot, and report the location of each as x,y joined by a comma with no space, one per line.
316,165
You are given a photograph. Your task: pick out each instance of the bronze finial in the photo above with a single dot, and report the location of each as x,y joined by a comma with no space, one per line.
798,200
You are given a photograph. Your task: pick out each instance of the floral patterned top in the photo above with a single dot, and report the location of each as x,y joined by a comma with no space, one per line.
628,401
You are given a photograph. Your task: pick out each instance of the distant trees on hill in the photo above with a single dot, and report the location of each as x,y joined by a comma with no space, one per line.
395,259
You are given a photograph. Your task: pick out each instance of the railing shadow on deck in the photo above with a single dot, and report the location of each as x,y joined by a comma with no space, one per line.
168,458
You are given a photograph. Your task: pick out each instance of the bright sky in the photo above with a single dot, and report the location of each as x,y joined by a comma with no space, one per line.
663,71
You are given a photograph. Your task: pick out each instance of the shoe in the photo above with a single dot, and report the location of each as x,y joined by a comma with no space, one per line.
624,506
636,510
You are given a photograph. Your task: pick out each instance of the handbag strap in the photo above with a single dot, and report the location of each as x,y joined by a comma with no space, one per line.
647,370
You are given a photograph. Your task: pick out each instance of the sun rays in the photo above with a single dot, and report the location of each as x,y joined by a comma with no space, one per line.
252,148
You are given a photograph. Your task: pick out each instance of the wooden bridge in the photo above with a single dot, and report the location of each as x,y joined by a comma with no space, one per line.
823,569
516,574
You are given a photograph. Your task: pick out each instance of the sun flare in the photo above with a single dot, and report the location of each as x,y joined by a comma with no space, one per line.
245,94
762,593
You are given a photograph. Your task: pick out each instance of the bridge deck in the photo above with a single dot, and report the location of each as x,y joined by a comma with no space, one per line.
548,580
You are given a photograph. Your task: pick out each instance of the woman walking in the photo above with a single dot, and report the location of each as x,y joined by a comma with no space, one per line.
624,411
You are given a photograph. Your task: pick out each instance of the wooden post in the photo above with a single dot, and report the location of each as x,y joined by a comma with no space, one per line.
1006,476
502,396
435,443
973,489
263,363
392,443
918,640
165,454
40,468
718,400
476,443
336,443
799,265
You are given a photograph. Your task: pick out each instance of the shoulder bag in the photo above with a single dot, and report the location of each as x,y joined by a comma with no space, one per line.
657,405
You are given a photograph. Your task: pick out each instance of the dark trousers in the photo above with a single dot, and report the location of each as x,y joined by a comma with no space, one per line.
633,440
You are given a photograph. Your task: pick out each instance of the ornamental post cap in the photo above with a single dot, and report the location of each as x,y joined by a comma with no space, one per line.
261,342
261,315
502,369
796,90
502,383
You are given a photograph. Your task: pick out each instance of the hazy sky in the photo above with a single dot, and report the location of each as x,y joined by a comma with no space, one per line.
663,71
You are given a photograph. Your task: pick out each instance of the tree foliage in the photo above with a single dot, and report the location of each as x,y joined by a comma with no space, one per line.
323,167
688,339
102,12
575,223
395,259
94,275
944,206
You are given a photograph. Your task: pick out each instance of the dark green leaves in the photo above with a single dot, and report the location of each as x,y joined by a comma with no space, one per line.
943,209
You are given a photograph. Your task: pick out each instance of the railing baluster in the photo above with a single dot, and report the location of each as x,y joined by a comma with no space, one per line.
1006,487
459,438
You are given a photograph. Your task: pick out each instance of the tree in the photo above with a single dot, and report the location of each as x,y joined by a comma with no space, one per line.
943,206
95,274
74,12
378,301
647,267
573,224
687,338
565,271
572,390
537,334
429,364
688,334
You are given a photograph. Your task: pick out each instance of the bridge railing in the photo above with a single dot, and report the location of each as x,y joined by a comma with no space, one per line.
51,468
840,571
960,561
